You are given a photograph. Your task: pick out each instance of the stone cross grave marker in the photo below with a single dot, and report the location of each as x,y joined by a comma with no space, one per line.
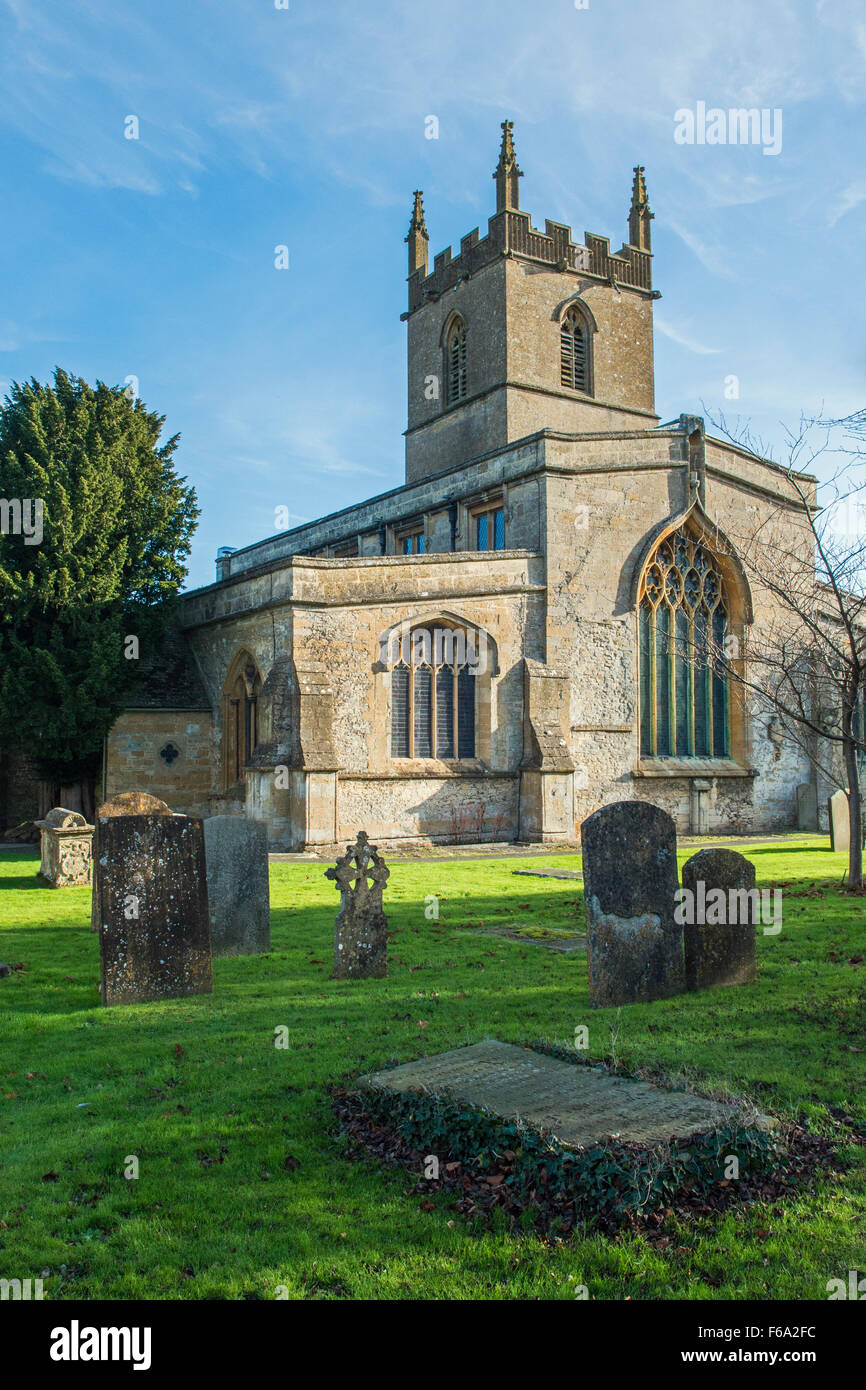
236,852
66,845
360,930
151,909
721,949
634,946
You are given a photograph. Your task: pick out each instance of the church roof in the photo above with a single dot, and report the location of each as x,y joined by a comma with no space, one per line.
170,679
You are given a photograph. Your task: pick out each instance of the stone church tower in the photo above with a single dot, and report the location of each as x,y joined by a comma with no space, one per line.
491,307
529,626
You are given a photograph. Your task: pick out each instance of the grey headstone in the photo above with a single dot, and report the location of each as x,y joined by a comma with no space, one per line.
236,852
634,946
121,804
840,823
807,806
360,931
151,909
720,952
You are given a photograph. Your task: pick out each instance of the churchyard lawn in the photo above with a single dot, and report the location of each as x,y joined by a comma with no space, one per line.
245,1188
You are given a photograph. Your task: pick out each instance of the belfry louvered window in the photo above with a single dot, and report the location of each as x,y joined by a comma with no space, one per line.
683,622
574,352
455,363
433,698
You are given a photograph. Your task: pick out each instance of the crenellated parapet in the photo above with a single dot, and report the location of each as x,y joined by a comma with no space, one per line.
510,233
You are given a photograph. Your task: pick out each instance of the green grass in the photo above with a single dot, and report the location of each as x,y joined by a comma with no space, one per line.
82,1087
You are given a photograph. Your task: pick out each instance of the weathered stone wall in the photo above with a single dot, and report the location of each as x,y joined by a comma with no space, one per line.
587,509
603,513
436,808
621,352
457,433
512,311
133,762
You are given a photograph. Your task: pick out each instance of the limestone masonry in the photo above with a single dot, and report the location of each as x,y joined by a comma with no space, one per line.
484,651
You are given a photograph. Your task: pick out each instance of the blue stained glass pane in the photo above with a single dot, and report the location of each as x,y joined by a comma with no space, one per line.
701,676
400,712
422,544
683,683
499,529
445,712
423,692
466,714
646,744
663,689
482,541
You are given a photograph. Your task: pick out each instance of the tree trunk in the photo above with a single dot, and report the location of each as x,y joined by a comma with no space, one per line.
79,796
850,700
855,816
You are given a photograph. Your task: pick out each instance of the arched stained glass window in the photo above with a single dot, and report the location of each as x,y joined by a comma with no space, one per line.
455,362
683,622
574,352
433,698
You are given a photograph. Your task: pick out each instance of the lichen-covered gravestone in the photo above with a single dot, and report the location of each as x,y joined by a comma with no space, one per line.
361,927
66,842
720,919
151,909
840,823
807,806
236,851
634,946
123,804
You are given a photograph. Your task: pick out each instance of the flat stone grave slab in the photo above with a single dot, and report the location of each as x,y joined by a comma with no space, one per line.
548,873
551,939
578,1104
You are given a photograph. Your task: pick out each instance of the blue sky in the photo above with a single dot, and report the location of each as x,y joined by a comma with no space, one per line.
305,127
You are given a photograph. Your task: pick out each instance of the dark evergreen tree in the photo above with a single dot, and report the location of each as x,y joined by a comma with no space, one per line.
116,527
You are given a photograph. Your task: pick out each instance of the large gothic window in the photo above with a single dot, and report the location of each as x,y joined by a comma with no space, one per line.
574,352
683,621
433,697
455,362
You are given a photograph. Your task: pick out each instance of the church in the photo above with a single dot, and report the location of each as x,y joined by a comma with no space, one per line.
528,627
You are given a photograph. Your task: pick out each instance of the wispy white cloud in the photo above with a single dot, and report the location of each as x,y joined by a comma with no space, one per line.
683,339
850,198
712,256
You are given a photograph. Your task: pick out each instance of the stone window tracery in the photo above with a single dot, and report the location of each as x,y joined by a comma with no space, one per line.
683,620
433,696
